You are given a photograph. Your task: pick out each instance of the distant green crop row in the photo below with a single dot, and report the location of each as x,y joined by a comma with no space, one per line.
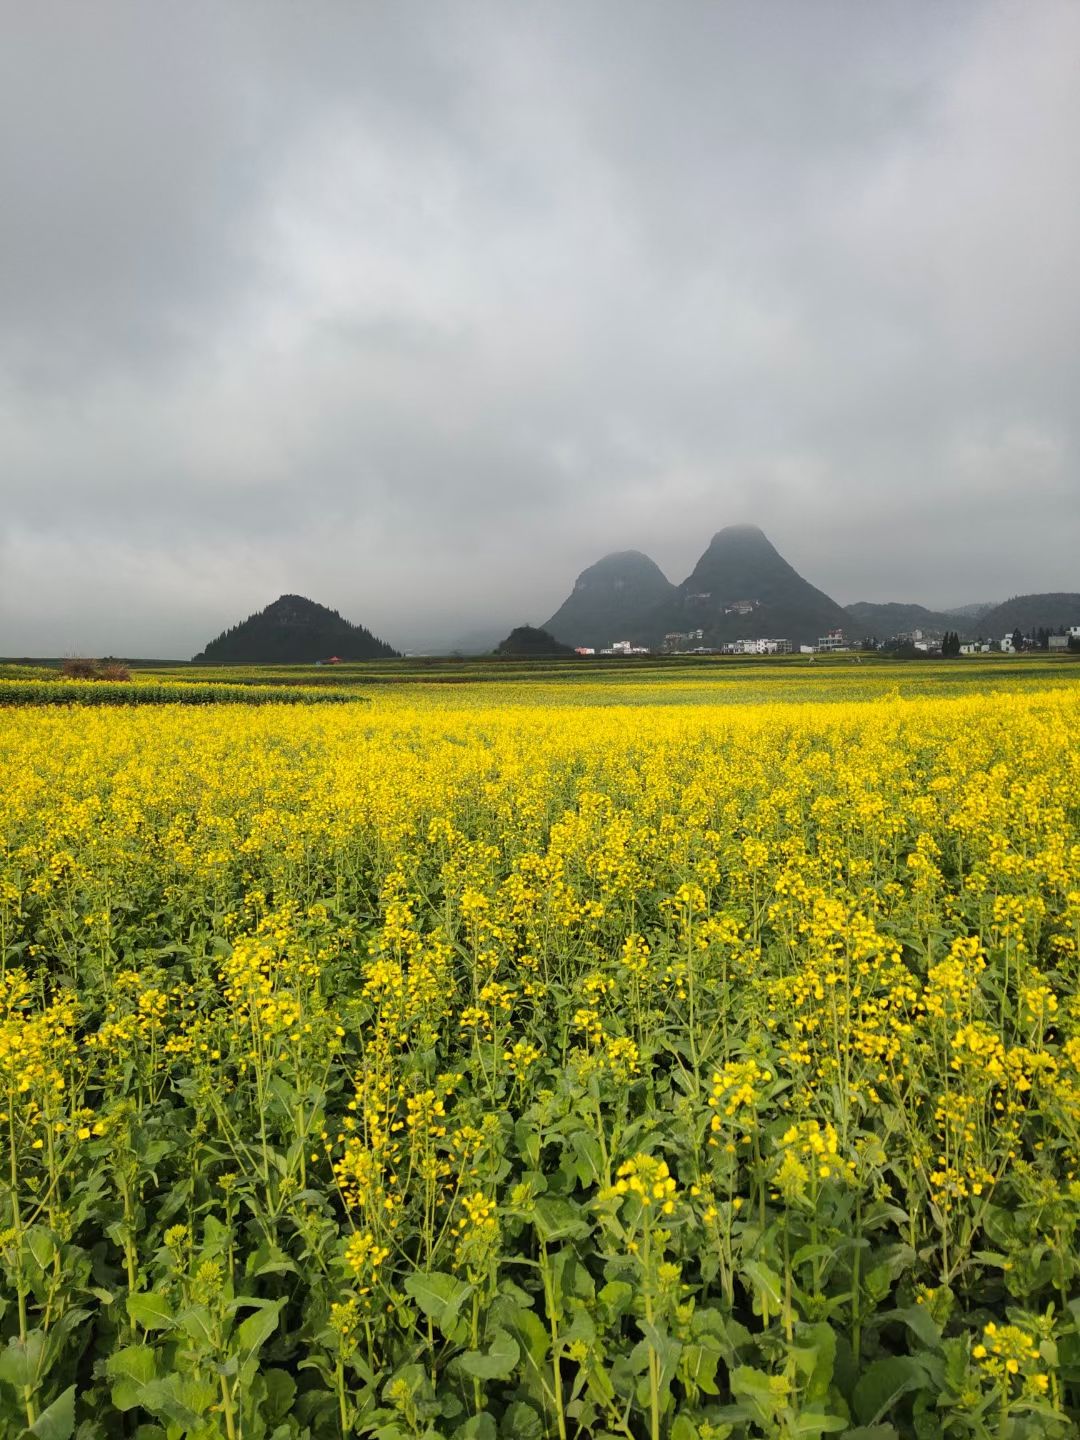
28,672
616,671
166,692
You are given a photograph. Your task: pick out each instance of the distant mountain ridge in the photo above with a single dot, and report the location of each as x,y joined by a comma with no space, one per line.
294,631
1031,612
741,587
1028,613
884,621
970,612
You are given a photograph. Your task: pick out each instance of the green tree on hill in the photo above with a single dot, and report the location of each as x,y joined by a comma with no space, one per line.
529,641
295,631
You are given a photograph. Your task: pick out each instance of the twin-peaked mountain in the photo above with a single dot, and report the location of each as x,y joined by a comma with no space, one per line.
740,588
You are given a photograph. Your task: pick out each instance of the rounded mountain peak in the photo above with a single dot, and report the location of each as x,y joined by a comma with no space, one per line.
741,535
611,600
624,562
737,561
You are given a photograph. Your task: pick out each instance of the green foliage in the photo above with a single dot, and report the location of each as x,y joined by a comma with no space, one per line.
526,641
11,670
294,630
148,692
1027,613
596,1101
885,621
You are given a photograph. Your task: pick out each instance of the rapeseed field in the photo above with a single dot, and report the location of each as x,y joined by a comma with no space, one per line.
459,1066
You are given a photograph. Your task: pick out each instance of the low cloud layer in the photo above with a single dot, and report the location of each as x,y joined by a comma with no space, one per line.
420,309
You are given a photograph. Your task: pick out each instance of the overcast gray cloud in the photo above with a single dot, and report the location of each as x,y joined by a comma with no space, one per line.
419,309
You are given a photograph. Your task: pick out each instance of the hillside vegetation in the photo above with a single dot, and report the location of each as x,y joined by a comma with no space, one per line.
884,621
294,630
618,598
526,641
1029,613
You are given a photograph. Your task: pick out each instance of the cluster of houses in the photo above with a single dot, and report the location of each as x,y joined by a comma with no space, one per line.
685,642
618,647
757,647
691,642
1053,642
826,644
931,644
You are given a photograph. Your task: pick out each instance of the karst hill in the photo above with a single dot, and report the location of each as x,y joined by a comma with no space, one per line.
741,586
294,631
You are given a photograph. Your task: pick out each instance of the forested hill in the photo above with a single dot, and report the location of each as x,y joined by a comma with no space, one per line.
890,618
1029,613
295,631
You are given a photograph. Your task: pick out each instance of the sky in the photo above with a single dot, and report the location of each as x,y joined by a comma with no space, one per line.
419,309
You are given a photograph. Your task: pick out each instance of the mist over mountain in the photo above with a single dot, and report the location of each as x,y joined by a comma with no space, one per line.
970,612
294,631
742,586
739,588
519,223
618,598
480,641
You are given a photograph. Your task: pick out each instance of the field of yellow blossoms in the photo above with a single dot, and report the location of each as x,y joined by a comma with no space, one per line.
464,1066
